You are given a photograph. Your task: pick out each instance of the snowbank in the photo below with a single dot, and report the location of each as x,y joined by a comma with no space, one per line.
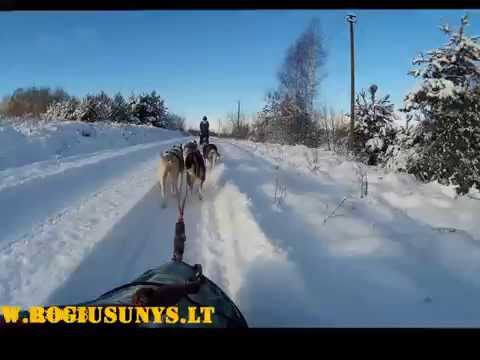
31,141
407,254
432,203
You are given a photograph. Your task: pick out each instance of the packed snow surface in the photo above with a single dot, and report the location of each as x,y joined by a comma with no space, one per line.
282,229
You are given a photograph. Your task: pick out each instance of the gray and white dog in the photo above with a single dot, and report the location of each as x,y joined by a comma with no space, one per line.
194,166
211,154
171,167
189,147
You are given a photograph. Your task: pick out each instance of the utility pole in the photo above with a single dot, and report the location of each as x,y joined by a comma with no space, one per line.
352,19
238,114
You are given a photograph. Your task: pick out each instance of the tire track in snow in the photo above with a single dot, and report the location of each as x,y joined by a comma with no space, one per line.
139,240
203,241
235,251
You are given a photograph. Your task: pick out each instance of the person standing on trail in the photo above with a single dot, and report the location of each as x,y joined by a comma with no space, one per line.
204,131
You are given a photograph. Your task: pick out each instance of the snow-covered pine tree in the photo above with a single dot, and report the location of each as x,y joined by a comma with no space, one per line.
104,106
132,110
63,110
53,111
120,109
86,109
448,104
374,130
95,108
149,109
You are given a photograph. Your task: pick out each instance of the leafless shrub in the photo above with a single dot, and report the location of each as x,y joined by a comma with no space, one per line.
333,213
312,160
332,129
362,175
280,191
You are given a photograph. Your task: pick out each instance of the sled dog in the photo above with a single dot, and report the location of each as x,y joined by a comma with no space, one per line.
171,167
189,147
211,154
195,169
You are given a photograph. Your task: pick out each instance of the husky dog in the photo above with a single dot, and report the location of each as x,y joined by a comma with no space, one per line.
195,168
171,166
189,147
210,154
177,149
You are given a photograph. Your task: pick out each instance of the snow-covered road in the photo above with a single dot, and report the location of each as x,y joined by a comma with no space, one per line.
54,212
405,255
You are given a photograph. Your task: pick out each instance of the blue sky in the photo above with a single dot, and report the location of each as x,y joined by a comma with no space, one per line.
202,62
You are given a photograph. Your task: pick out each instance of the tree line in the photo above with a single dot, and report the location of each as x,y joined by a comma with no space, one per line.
289,115
440,140
56,104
